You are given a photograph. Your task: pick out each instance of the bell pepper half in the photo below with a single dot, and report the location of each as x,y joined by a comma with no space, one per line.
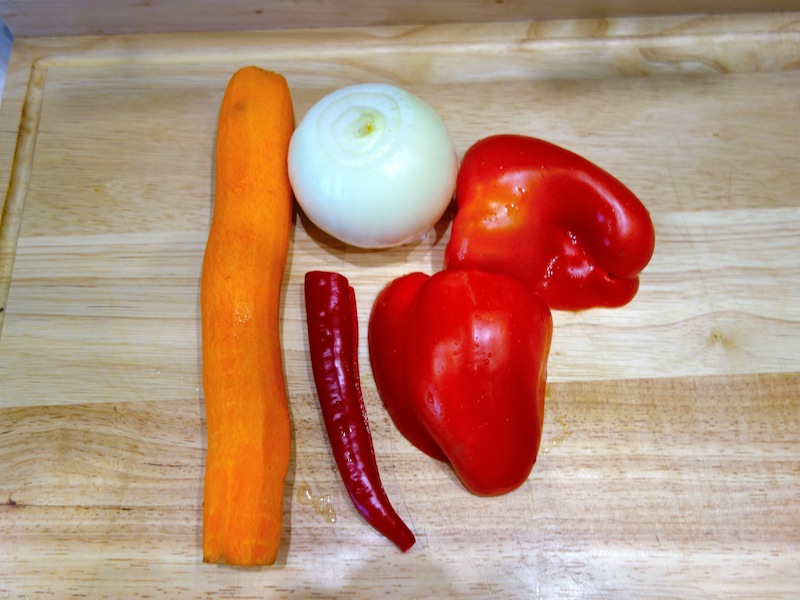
566,228
460,361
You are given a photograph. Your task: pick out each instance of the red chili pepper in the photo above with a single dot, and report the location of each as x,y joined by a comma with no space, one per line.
460,361
538,212
333,342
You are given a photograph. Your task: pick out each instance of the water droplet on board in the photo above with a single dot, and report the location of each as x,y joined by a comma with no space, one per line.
558,439
320,504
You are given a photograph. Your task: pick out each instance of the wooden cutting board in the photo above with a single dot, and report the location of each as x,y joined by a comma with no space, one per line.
670,464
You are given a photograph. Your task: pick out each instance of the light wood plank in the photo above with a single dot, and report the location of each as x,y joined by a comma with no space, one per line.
33,18
669,466
104,300
117,316
649,488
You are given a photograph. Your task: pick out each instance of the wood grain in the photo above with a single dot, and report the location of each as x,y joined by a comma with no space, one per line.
649,488
32,18
670,465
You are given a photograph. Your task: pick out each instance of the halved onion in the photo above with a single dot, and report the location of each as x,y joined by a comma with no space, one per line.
373,165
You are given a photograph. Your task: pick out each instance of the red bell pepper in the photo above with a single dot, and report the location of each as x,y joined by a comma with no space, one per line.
460,361
537,212
333,344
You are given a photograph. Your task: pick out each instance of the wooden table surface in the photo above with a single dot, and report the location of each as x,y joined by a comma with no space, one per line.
670,464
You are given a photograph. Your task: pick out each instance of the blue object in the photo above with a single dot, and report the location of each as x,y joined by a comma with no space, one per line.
5,53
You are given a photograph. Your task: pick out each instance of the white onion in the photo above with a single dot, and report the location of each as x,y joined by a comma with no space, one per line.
373,165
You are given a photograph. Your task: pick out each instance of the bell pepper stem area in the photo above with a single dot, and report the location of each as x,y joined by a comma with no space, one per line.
333,344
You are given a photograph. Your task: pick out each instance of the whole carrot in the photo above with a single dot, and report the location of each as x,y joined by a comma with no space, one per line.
247,411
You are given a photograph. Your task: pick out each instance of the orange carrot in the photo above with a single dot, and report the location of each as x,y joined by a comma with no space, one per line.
247,411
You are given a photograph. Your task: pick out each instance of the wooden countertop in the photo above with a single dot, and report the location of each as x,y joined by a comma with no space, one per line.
670,464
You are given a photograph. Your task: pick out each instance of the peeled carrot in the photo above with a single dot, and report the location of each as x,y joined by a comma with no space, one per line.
247,411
